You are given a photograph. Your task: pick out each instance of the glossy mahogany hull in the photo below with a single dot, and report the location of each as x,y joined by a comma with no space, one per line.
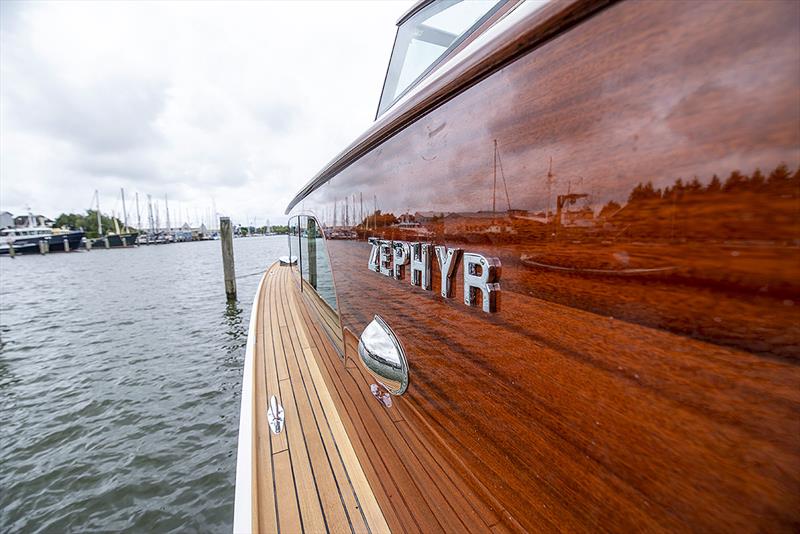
642,369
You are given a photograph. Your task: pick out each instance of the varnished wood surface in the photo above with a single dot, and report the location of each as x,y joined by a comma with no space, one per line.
643,369
307,478
552,18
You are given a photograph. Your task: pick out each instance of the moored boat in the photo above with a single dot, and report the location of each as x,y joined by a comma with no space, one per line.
114,240
594,327
27,240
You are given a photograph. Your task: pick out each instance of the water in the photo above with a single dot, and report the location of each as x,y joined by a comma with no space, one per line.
120,375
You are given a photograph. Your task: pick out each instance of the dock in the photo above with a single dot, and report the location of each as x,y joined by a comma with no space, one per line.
306,478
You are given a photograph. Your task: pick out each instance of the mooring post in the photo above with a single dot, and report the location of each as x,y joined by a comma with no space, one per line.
66,245
226,238
87,243
11,251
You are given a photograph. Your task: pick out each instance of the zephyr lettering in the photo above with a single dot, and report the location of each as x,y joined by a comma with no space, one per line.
481,273
400,258
421,265
385,257
448,260
373,255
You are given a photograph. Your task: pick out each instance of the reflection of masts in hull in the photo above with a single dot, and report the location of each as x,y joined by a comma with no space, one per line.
566,200
498,161
551,179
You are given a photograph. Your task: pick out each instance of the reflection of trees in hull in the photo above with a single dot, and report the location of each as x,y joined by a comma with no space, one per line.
743,207
755,207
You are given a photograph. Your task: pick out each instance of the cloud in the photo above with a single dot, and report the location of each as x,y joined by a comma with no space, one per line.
240,102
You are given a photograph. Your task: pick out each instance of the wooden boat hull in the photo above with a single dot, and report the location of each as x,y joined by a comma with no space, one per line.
640,371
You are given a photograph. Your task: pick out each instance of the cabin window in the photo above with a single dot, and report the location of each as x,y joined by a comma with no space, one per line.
423,40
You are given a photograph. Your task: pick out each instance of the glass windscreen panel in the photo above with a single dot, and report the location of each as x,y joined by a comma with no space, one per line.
316,276
293,235
423,40
316,269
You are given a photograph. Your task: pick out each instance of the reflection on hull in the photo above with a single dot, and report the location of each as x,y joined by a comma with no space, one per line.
526,260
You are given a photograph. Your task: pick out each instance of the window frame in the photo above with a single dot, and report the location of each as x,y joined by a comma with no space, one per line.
441,59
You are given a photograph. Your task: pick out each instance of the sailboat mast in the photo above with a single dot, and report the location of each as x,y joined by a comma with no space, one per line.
166,207
150,214
99,219
138,214
124,210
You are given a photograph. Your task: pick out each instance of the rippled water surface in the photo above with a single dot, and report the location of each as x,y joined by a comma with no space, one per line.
120,373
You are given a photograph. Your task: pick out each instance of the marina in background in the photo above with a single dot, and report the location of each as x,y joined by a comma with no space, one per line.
70,232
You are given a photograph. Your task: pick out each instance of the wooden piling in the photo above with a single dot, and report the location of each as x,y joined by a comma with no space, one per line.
44,246
87,243
11,251
226,238
66,245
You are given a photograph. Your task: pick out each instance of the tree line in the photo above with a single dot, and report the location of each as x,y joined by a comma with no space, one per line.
87,222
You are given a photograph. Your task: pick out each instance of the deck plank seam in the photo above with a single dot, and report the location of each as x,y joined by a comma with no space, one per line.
404,457
338,453
288,446
340,350
325,405
381,481
376,412
262,357
298,326
290,320
294,396
327,364
274,453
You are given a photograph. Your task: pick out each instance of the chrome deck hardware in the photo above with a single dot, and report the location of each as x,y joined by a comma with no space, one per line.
383,356
275,415
381,395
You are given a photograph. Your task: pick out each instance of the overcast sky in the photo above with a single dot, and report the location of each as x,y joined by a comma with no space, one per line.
239,102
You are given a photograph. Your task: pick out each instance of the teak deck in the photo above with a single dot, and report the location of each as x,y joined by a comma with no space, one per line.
307,478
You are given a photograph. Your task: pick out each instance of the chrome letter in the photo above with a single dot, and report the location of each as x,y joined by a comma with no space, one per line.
372,264
400,259
385,257
448,261
421,265
486,282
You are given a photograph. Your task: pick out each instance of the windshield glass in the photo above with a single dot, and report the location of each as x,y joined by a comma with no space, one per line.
423,40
